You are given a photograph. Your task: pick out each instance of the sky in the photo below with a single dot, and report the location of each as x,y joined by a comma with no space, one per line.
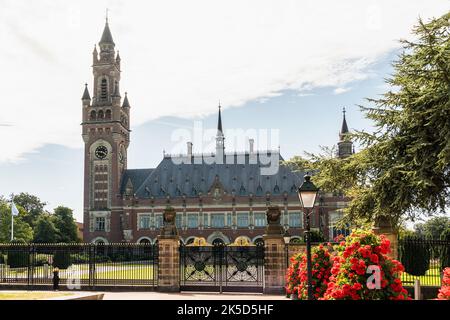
288,66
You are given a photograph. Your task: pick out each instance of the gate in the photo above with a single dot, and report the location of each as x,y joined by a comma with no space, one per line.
222,268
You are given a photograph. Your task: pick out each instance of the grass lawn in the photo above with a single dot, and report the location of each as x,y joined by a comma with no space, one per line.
431,278
32,295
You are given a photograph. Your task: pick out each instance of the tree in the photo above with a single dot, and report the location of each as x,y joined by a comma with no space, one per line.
65,223
32,205
433,228
45,230
403,169
22,230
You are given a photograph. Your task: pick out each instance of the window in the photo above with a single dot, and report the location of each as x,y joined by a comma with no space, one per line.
205,220
104,89
295,220
229,219
260,219
93,115
242,220
217,220
158,220
192,222
179,221
99,224
144,221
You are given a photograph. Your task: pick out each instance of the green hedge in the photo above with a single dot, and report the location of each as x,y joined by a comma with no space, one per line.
415,255
62,259
17,258
445,251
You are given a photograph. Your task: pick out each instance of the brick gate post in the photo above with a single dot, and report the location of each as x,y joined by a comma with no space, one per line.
383,226
169,254
275,253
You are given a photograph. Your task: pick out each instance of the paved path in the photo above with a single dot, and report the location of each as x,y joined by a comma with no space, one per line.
188,296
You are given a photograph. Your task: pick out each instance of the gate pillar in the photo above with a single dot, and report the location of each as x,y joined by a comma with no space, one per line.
169,254
169,263
383,226
275,253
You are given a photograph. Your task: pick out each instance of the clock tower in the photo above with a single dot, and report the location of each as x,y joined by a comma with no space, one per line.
106,135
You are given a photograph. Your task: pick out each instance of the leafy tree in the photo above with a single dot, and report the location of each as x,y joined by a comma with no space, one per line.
45,230
32,205
22,230
403,169
65,223
434,227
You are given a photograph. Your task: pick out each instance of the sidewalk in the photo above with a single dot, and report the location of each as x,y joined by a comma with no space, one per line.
188,296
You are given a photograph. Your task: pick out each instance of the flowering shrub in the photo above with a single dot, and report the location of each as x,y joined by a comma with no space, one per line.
444,292
348,278
297,276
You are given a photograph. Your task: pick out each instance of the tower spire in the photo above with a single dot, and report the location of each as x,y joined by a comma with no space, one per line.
345,146
220,139
344,127
219,122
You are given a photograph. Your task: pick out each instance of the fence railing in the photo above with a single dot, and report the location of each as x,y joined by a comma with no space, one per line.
423,259
79,265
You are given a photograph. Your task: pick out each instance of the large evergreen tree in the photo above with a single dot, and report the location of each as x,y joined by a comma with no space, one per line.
403,170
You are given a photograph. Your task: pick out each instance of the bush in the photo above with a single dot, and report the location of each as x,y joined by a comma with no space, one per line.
444,292
444,255
415,255
62,259
79,258
17,257
297,276
2,258
348,280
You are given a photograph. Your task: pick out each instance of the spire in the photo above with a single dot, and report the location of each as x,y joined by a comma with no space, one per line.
86,95
106,36
125,103
219,122
220,140
344,128
345,146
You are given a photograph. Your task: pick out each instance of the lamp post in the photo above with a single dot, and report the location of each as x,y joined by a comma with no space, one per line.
307,194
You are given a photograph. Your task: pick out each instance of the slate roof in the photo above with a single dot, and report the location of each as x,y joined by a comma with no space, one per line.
106,36
175,179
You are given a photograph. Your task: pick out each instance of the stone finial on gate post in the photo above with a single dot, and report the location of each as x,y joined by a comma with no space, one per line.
275,259
169,255
383,225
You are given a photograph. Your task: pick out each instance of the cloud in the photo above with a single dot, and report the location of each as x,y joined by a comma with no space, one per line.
340,90
180,57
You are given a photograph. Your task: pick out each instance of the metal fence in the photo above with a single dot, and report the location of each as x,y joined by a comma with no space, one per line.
423,259
79,266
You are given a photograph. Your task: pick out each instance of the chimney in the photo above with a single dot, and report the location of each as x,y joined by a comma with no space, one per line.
189,149
251,142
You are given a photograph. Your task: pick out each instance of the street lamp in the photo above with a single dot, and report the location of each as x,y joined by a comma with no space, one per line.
307,194
286,237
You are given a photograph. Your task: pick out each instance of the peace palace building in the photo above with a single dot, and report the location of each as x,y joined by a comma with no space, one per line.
218,200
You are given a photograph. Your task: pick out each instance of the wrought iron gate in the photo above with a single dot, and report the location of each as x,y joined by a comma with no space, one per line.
222,268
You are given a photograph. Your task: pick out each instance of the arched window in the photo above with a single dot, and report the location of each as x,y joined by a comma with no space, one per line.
93,115
218,242
104,89
100,115
145,241
108,114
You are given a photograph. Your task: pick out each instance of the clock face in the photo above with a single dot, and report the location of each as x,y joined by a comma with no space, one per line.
101,152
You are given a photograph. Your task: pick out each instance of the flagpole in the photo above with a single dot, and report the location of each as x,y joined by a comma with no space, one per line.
12,227
12,218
